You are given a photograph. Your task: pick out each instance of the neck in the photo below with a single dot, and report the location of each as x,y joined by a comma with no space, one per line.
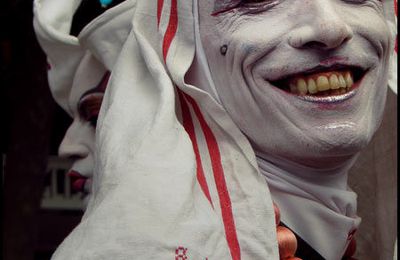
314,201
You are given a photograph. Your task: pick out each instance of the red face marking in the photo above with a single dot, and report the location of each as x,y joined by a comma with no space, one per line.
90,102
89,107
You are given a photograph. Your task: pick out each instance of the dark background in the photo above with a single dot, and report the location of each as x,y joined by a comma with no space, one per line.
32,128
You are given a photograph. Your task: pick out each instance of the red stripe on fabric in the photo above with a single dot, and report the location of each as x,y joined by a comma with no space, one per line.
219,176
395,12
104,82
171,29
160,5
189,127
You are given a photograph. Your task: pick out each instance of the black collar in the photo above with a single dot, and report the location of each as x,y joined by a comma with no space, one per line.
304,250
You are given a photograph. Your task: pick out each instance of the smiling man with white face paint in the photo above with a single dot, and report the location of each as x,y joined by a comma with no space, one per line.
276,50
215,110
306,83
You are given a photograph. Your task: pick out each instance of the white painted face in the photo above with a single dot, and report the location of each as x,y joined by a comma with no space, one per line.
305,80
79,141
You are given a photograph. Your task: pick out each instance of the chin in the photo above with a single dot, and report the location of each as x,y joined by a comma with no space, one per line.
331,147
321,147
348,145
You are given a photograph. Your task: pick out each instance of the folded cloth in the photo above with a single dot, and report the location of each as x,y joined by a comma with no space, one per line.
391,17
77,79
174,175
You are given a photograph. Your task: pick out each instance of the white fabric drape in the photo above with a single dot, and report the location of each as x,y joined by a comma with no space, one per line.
154,133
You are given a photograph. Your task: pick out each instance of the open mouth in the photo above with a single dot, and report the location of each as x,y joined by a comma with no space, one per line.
322,82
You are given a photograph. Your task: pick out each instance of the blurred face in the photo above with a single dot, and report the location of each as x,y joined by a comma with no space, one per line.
304,80
78,143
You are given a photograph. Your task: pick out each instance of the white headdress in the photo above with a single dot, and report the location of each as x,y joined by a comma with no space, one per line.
175,176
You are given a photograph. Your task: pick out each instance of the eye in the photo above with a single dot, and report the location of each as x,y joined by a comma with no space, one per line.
376,4
89,107
221,6
254,1
251,6
257,6
361,1
355,1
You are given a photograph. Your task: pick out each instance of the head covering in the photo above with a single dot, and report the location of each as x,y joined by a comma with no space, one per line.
75,73
175,177
391,17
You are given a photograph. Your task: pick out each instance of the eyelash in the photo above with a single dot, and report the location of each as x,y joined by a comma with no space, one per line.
89,109
256,6
255,2
93,121
248,6
373,3
89,116
359,1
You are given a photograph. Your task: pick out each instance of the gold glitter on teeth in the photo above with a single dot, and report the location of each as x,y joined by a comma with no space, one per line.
331,83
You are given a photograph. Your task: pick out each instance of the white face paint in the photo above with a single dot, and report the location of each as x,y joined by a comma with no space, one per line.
278,52
79,141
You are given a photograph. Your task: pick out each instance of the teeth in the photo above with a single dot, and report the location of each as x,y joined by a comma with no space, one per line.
302,86
312,87
323,83
342,82
334,81
337,82
349,79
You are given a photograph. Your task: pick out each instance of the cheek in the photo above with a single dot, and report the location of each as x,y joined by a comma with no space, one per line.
374,29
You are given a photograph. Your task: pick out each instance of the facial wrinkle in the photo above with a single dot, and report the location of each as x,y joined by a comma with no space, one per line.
294,125
365,28
378,45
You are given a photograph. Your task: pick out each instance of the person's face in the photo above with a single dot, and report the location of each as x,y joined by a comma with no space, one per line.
79,141
303,79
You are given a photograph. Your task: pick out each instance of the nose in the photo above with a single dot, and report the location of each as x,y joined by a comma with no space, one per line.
73,145
322,27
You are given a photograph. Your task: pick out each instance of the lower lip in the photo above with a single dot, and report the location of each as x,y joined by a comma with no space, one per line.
329,99
78,181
